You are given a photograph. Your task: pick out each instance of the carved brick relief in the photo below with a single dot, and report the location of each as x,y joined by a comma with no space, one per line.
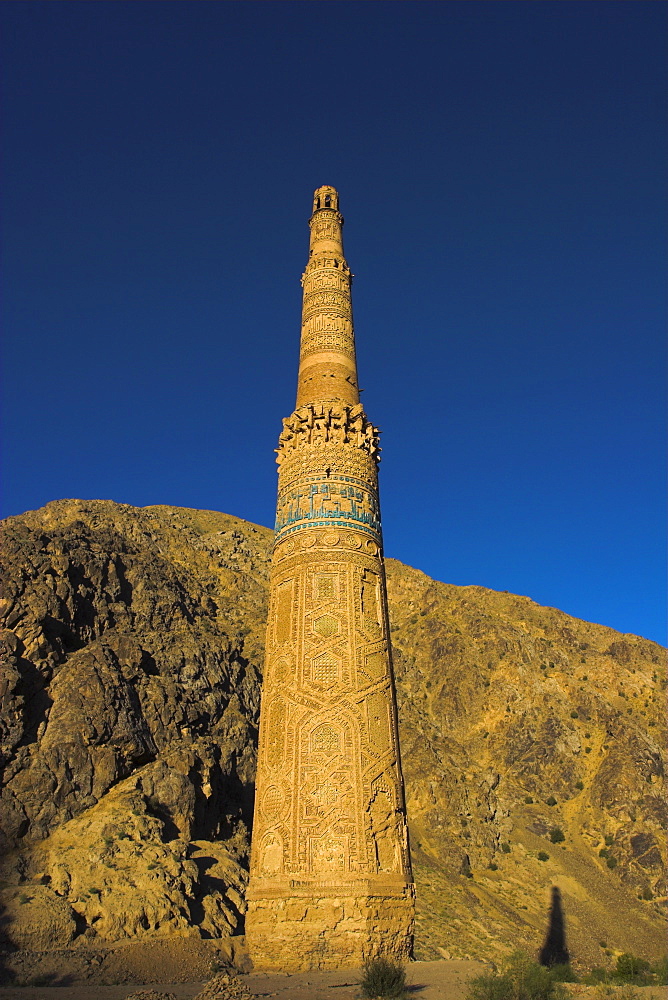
325,228
332,503
327,322
326,626
326,739
325,669
336,342
284,608
328,424
273,802
351,465
329,825
275,732
271,854
326,278
326,299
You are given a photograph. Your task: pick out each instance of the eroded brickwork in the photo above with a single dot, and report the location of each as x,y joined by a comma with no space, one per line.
330,881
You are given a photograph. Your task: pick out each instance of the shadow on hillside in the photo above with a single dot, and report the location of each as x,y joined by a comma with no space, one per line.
554,951
5,973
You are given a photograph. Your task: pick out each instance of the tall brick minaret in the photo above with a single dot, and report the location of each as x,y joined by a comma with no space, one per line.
331,880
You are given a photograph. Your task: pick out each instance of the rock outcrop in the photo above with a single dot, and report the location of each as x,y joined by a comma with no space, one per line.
132,650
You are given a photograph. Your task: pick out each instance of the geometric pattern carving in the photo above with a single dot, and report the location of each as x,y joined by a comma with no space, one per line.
281,670
325,586
326,626
378,709
272,801
283,611
326,739
276,717
325,669
375,664
329,828
329,853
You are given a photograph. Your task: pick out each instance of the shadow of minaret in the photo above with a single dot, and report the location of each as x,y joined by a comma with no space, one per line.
554,951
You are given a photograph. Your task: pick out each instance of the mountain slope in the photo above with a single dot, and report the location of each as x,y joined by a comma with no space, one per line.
128,719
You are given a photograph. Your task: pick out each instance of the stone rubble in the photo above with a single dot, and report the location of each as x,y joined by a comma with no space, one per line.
224,986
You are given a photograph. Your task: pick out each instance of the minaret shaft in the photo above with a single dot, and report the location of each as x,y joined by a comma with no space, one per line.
327,365
330,870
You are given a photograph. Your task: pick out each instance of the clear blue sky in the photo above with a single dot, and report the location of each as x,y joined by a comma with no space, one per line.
501,167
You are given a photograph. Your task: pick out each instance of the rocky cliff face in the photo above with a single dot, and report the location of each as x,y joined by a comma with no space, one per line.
522,726
128,720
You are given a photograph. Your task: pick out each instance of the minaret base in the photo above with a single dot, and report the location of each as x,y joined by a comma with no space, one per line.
329,932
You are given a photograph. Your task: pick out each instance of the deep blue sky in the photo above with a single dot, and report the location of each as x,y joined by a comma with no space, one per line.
501,168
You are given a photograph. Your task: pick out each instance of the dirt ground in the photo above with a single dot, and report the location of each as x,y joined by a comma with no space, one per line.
440,980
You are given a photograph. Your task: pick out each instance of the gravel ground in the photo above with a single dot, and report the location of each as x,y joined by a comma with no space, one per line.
440,980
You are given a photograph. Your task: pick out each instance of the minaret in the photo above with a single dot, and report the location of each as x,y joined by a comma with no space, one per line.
331,882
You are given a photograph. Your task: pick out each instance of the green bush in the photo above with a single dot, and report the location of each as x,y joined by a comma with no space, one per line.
563,973
579,785
505,848
611,862
543,856
626,992
490,988
528,800
520,979
556,836
660,970
631,969
551,801
597,975
383,978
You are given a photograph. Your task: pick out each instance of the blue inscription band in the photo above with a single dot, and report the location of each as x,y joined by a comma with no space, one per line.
334,501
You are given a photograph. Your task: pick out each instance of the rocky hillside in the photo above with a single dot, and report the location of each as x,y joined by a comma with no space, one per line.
532,744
